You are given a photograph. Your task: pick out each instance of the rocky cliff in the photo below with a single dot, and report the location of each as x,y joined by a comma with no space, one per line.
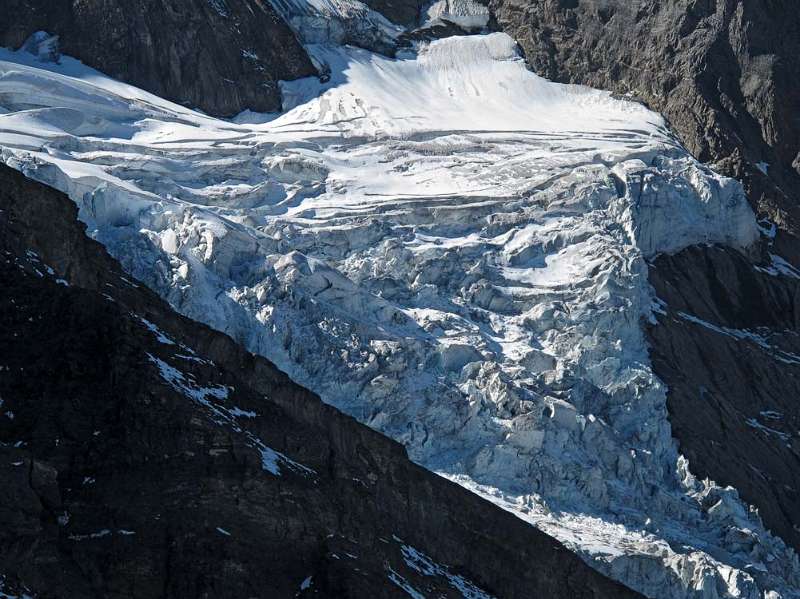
144,455
727,342
221,56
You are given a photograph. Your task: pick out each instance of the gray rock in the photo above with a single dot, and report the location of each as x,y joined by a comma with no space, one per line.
401,12
727,346
221,56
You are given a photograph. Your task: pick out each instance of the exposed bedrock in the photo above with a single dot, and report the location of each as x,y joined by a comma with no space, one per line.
221,56
728,348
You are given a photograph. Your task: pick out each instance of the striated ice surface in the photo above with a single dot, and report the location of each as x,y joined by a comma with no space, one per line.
452,250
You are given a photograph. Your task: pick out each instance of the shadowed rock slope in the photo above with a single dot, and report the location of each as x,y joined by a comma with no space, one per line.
145,455
728,345
221,56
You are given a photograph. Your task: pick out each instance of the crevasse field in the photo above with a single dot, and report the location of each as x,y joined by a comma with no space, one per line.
449,248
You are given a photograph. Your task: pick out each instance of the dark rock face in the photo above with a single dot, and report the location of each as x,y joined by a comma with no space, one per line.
145,455
728,347
221,56
726,73
430,33
401,12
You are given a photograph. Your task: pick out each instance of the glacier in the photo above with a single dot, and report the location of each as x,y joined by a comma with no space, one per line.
447,247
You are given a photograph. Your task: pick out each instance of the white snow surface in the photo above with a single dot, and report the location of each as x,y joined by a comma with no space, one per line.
447,247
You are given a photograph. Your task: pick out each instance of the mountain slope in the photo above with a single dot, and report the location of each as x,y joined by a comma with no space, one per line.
727,343
144,455
221,56
449,248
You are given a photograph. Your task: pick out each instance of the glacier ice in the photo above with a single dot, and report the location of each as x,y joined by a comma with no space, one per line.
339,22
467,14
449,248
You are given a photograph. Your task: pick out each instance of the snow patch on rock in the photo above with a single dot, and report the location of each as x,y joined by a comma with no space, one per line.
467,14
43,46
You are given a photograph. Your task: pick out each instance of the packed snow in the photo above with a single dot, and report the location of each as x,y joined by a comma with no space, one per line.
159,334
449,248
467,14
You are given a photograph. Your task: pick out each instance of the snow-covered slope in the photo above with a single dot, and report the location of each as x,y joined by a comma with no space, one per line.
447,247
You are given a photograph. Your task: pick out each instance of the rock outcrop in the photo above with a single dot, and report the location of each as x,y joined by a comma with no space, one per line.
724,72
401,12
145,455
727,344
221,56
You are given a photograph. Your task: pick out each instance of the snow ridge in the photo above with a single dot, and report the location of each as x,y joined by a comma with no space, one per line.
447,247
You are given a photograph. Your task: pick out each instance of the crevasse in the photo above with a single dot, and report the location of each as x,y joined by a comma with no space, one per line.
447,247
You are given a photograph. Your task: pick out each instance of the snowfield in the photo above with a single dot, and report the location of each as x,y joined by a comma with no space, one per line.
449,248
